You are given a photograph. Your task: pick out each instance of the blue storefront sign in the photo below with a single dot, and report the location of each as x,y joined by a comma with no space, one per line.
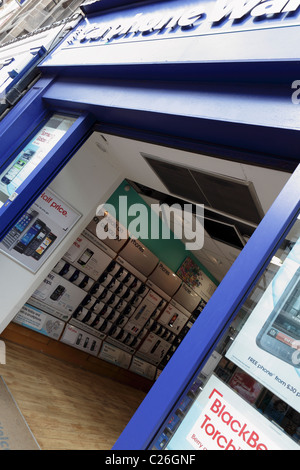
170,32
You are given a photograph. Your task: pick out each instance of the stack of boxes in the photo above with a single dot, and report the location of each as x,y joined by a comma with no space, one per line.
114,299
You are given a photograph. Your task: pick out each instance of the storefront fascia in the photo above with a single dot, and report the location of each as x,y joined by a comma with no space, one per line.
226,94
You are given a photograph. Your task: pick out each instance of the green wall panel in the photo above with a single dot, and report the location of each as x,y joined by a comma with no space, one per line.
132,212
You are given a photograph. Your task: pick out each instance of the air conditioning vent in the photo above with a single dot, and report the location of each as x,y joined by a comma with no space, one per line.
228,195
224,232
220,227
178,180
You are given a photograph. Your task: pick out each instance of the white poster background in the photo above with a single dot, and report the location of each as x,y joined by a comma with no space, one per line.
58,216
221,420
280,377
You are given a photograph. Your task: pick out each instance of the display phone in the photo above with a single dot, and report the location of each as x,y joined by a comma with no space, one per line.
75,275
35,243
15,233
79,338
155,346
141,310
31,234
40,250
58,293
85,257
64,270
86,283
281,332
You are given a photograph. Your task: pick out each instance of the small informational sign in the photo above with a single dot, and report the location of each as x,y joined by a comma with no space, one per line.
40,321
268,345
39,231
194,277
221,420
82,340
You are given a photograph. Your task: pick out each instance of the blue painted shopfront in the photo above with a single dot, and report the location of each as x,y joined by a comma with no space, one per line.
211,77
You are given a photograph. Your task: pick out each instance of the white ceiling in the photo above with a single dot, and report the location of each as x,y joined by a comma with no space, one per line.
125,154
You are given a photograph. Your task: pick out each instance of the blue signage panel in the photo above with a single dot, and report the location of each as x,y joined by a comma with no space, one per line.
176,31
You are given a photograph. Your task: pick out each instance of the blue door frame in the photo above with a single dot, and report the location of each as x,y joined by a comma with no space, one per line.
216,316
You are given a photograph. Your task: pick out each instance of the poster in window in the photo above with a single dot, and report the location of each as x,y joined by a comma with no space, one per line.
268,345
39,231
220,419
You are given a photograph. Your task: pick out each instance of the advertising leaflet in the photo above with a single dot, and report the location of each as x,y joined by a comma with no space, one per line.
268,345
39,231
221,420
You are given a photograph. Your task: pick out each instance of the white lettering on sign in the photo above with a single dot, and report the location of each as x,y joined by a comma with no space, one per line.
268,8
232,9
185,19
54,204
291,6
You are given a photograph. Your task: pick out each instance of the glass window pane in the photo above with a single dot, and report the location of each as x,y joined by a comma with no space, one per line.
247,396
